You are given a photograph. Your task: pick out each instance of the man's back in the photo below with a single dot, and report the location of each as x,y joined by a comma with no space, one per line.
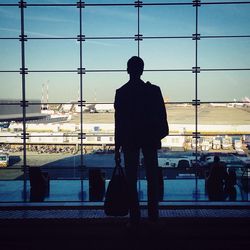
140,114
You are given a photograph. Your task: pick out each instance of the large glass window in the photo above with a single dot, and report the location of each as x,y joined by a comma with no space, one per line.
61,63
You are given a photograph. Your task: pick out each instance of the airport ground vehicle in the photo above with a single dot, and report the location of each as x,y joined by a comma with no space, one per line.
237,142
4,159
217,142
227,142
246,140
193,143
206,144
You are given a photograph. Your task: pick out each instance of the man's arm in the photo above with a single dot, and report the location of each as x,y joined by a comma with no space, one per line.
164,129
117,129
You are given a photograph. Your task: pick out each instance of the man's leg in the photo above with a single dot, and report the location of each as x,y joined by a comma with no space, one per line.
131,158
151,165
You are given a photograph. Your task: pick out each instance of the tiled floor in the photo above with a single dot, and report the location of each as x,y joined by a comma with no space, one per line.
194,229
99,213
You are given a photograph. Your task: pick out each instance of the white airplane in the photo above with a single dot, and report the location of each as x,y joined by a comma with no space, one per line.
246,101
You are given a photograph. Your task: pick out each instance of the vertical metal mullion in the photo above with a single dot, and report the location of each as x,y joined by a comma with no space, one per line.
196,95
138,29
81,98
23,103
138,54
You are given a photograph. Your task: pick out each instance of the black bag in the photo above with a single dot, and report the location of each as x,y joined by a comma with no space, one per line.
116,200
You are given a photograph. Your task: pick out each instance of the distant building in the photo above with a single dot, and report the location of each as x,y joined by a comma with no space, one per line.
104,108
11,110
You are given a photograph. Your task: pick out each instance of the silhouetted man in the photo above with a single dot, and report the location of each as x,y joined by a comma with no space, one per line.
140,123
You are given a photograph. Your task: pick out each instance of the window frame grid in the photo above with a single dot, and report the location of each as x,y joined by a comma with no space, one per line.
81,71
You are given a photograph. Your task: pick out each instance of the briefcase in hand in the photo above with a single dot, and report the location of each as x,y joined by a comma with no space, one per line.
116,199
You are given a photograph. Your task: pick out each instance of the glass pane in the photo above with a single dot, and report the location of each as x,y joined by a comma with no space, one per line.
224,86
10,86
53,155
52,87
183,190
10,55
52,55
224,53
11,116
54,147
224,118
119,21
10,21
181,119
168,54
167,20
100,87
11,191
52,22
11,157
71,193
177,170
233,168
231,19
175,86
107,54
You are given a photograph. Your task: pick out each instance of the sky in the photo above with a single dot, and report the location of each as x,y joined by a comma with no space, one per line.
108,54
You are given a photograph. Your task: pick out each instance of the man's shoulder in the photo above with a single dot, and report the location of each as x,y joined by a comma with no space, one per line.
146,85
152,87
122,88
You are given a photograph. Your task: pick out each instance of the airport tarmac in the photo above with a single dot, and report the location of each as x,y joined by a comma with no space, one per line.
66,165
207,115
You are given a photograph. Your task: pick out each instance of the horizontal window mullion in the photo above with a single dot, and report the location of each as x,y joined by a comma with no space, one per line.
9,38
121,4
9,4
225,69
192,3
127,37
9,71
123,70
89,103
226,36
98,38
51,4
132,4
224,3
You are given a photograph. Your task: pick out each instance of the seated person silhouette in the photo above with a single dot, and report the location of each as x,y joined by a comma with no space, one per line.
38,184
216,180
140,124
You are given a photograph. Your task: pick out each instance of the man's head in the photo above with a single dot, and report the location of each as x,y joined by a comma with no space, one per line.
135,66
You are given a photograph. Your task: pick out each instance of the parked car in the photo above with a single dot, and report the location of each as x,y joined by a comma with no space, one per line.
4,159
